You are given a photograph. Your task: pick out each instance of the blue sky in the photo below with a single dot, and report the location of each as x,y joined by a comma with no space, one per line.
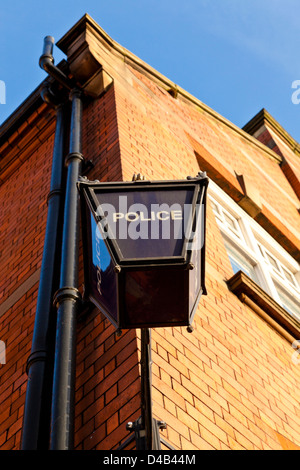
236,56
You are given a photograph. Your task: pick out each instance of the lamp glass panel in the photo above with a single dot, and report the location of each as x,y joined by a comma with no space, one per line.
155,297
103,283
149,223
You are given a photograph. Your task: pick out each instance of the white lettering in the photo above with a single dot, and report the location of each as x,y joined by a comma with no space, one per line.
116,460
158,221
176,215
146,219
190,459
117,216
151,459
134,216
131,216
160,217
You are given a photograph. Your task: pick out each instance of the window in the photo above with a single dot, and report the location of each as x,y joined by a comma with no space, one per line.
240,262
252,250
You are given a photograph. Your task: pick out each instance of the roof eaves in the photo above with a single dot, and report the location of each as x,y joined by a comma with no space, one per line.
87,23
263,117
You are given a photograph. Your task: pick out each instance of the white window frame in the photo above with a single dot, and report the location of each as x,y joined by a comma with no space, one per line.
246,239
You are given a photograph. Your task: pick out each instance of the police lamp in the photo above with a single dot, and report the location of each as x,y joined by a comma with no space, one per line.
144,250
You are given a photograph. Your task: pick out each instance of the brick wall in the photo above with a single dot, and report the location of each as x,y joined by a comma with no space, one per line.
231,384
23,217
107,370
222,386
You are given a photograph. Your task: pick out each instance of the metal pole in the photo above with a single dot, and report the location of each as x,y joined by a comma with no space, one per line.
36,421
146,428
146,383
68,298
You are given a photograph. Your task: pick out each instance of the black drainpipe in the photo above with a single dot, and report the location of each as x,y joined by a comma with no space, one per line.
36,422
37,414
68,298
46,62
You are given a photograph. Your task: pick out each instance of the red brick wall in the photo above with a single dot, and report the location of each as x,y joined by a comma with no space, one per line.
23,214
222,386
231,384
107,370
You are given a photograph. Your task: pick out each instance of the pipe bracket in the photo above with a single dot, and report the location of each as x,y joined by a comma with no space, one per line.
73,156
66,293
36,356
52,193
